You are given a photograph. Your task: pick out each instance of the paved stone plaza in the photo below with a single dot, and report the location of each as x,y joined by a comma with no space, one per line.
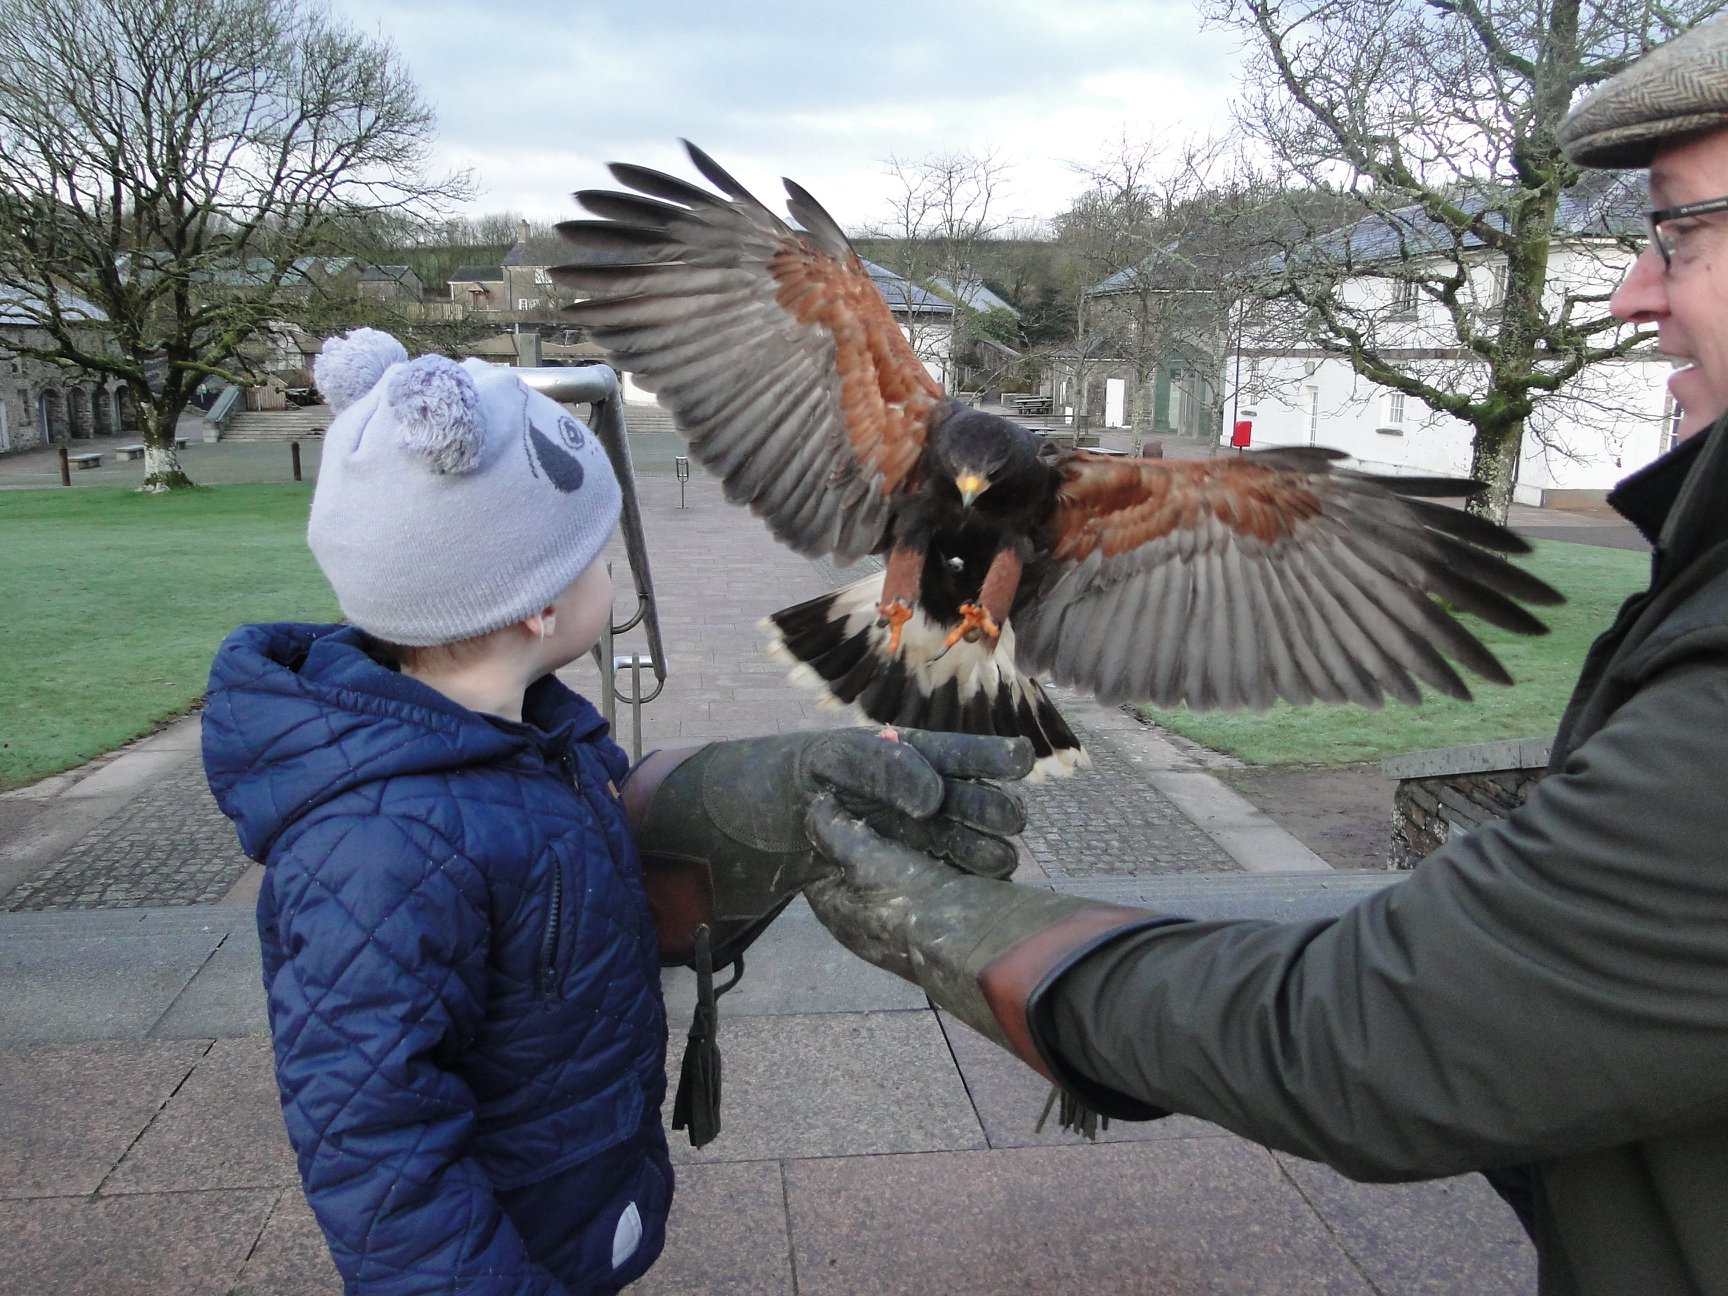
871,1145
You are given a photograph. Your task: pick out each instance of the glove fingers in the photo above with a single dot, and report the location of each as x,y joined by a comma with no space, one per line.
860,764
972,755
868,860
977,852
984,806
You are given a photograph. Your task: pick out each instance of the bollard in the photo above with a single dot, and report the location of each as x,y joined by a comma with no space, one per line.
681,467
65,467
294,450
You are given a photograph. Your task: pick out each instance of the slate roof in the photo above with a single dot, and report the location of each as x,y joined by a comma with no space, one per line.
1593,208
974,295
903,295
477,274
14,313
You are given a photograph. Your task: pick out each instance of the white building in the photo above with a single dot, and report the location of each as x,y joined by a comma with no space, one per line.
1611,419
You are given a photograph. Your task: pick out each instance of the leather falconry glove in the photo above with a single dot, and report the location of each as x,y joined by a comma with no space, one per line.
721,828
980,948
724,848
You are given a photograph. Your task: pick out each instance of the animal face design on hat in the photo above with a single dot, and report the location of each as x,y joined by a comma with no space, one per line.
556,454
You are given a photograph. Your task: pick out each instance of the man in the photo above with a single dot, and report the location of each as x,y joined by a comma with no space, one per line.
1549,992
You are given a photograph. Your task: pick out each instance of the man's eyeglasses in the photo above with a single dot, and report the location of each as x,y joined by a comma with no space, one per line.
1667,241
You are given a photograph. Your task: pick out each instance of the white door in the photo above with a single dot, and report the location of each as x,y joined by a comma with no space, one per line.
1115,400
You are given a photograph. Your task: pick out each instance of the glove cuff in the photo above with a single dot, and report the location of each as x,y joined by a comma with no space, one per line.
1016,984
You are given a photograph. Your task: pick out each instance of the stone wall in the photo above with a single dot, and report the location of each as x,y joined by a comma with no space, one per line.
1454,789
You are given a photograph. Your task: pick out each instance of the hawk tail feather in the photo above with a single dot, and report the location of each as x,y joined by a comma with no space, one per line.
836,647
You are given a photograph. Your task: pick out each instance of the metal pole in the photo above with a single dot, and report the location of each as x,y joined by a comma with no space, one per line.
65,467
1236,384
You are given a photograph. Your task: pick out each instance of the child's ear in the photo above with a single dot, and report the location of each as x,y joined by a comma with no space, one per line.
543,623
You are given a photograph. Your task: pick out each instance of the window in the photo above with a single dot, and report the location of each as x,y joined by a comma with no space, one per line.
1671,425
1311,402
1494,294
1406,296
1392,414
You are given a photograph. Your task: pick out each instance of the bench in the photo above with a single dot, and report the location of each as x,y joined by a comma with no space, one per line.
180,443
1031,404
85,460
129,452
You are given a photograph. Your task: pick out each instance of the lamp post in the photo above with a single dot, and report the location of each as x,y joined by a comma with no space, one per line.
681,466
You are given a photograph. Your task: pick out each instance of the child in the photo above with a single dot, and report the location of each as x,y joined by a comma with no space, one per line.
461,955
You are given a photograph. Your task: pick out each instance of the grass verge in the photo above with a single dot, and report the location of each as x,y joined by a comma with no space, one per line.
115,601
1595,581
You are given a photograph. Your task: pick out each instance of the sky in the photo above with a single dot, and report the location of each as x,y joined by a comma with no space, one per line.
537,96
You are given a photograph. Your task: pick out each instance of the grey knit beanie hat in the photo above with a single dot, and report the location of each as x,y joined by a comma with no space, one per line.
451,499
1678,89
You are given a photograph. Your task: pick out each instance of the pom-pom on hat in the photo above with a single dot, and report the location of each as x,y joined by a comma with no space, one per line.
451,499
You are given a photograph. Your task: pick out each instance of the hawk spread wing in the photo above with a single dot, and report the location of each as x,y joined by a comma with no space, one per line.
770,345
1227,582
1233,582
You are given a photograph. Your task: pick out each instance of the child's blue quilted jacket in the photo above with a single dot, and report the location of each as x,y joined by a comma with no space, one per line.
462,973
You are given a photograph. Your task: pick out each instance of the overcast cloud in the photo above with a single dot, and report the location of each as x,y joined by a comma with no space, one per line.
536,96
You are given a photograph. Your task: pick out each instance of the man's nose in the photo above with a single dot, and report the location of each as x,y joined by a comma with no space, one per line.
1642,297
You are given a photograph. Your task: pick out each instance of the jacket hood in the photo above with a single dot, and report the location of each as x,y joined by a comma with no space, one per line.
299,714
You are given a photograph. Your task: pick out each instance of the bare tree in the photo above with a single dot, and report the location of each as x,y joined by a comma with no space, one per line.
174,163
1439,117
943,208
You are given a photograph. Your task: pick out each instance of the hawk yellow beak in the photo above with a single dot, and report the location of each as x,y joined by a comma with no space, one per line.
971,486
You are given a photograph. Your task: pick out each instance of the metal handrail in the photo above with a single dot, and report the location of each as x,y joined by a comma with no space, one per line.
597,387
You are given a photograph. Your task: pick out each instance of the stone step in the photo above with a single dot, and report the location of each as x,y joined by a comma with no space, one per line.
278,425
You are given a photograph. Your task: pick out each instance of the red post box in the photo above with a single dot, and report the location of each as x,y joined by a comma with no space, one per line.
1242,433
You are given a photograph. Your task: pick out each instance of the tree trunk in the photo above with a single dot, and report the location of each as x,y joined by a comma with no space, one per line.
1140,419
162,470
1494,463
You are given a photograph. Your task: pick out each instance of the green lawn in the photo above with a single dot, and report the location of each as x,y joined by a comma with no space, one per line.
1595,581
114,602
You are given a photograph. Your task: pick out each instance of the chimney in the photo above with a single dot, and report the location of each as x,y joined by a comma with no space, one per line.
522,232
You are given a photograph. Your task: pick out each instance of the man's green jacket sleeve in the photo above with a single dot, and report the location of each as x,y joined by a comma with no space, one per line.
1554,982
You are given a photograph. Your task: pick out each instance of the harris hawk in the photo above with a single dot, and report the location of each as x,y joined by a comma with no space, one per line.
1219,583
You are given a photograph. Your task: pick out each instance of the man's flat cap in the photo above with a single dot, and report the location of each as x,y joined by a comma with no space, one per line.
1678,89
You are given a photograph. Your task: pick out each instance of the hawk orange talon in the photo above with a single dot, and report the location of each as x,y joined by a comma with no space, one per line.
896,614
975,623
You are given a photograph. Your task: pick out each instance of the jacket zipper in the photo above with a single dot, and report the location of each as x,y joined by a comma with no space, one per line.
555,905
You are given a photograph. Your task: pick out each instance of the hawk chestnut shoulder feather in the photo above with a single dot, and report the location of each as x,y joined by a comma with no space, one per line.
1227,582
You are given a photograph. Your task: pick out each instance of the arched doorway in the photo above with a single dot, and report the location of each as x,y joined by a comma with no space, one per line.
102,407
53,409
78,413
128,411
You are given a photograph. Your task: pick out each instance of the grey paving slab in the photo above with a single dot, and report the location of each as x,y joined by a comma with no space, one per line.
1450,1236
72,1110
290,1258
796,967
225,998
1169,1218
74,980
167,1244
221,1129
1280,897
834,1085
727,1234
1009,1097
